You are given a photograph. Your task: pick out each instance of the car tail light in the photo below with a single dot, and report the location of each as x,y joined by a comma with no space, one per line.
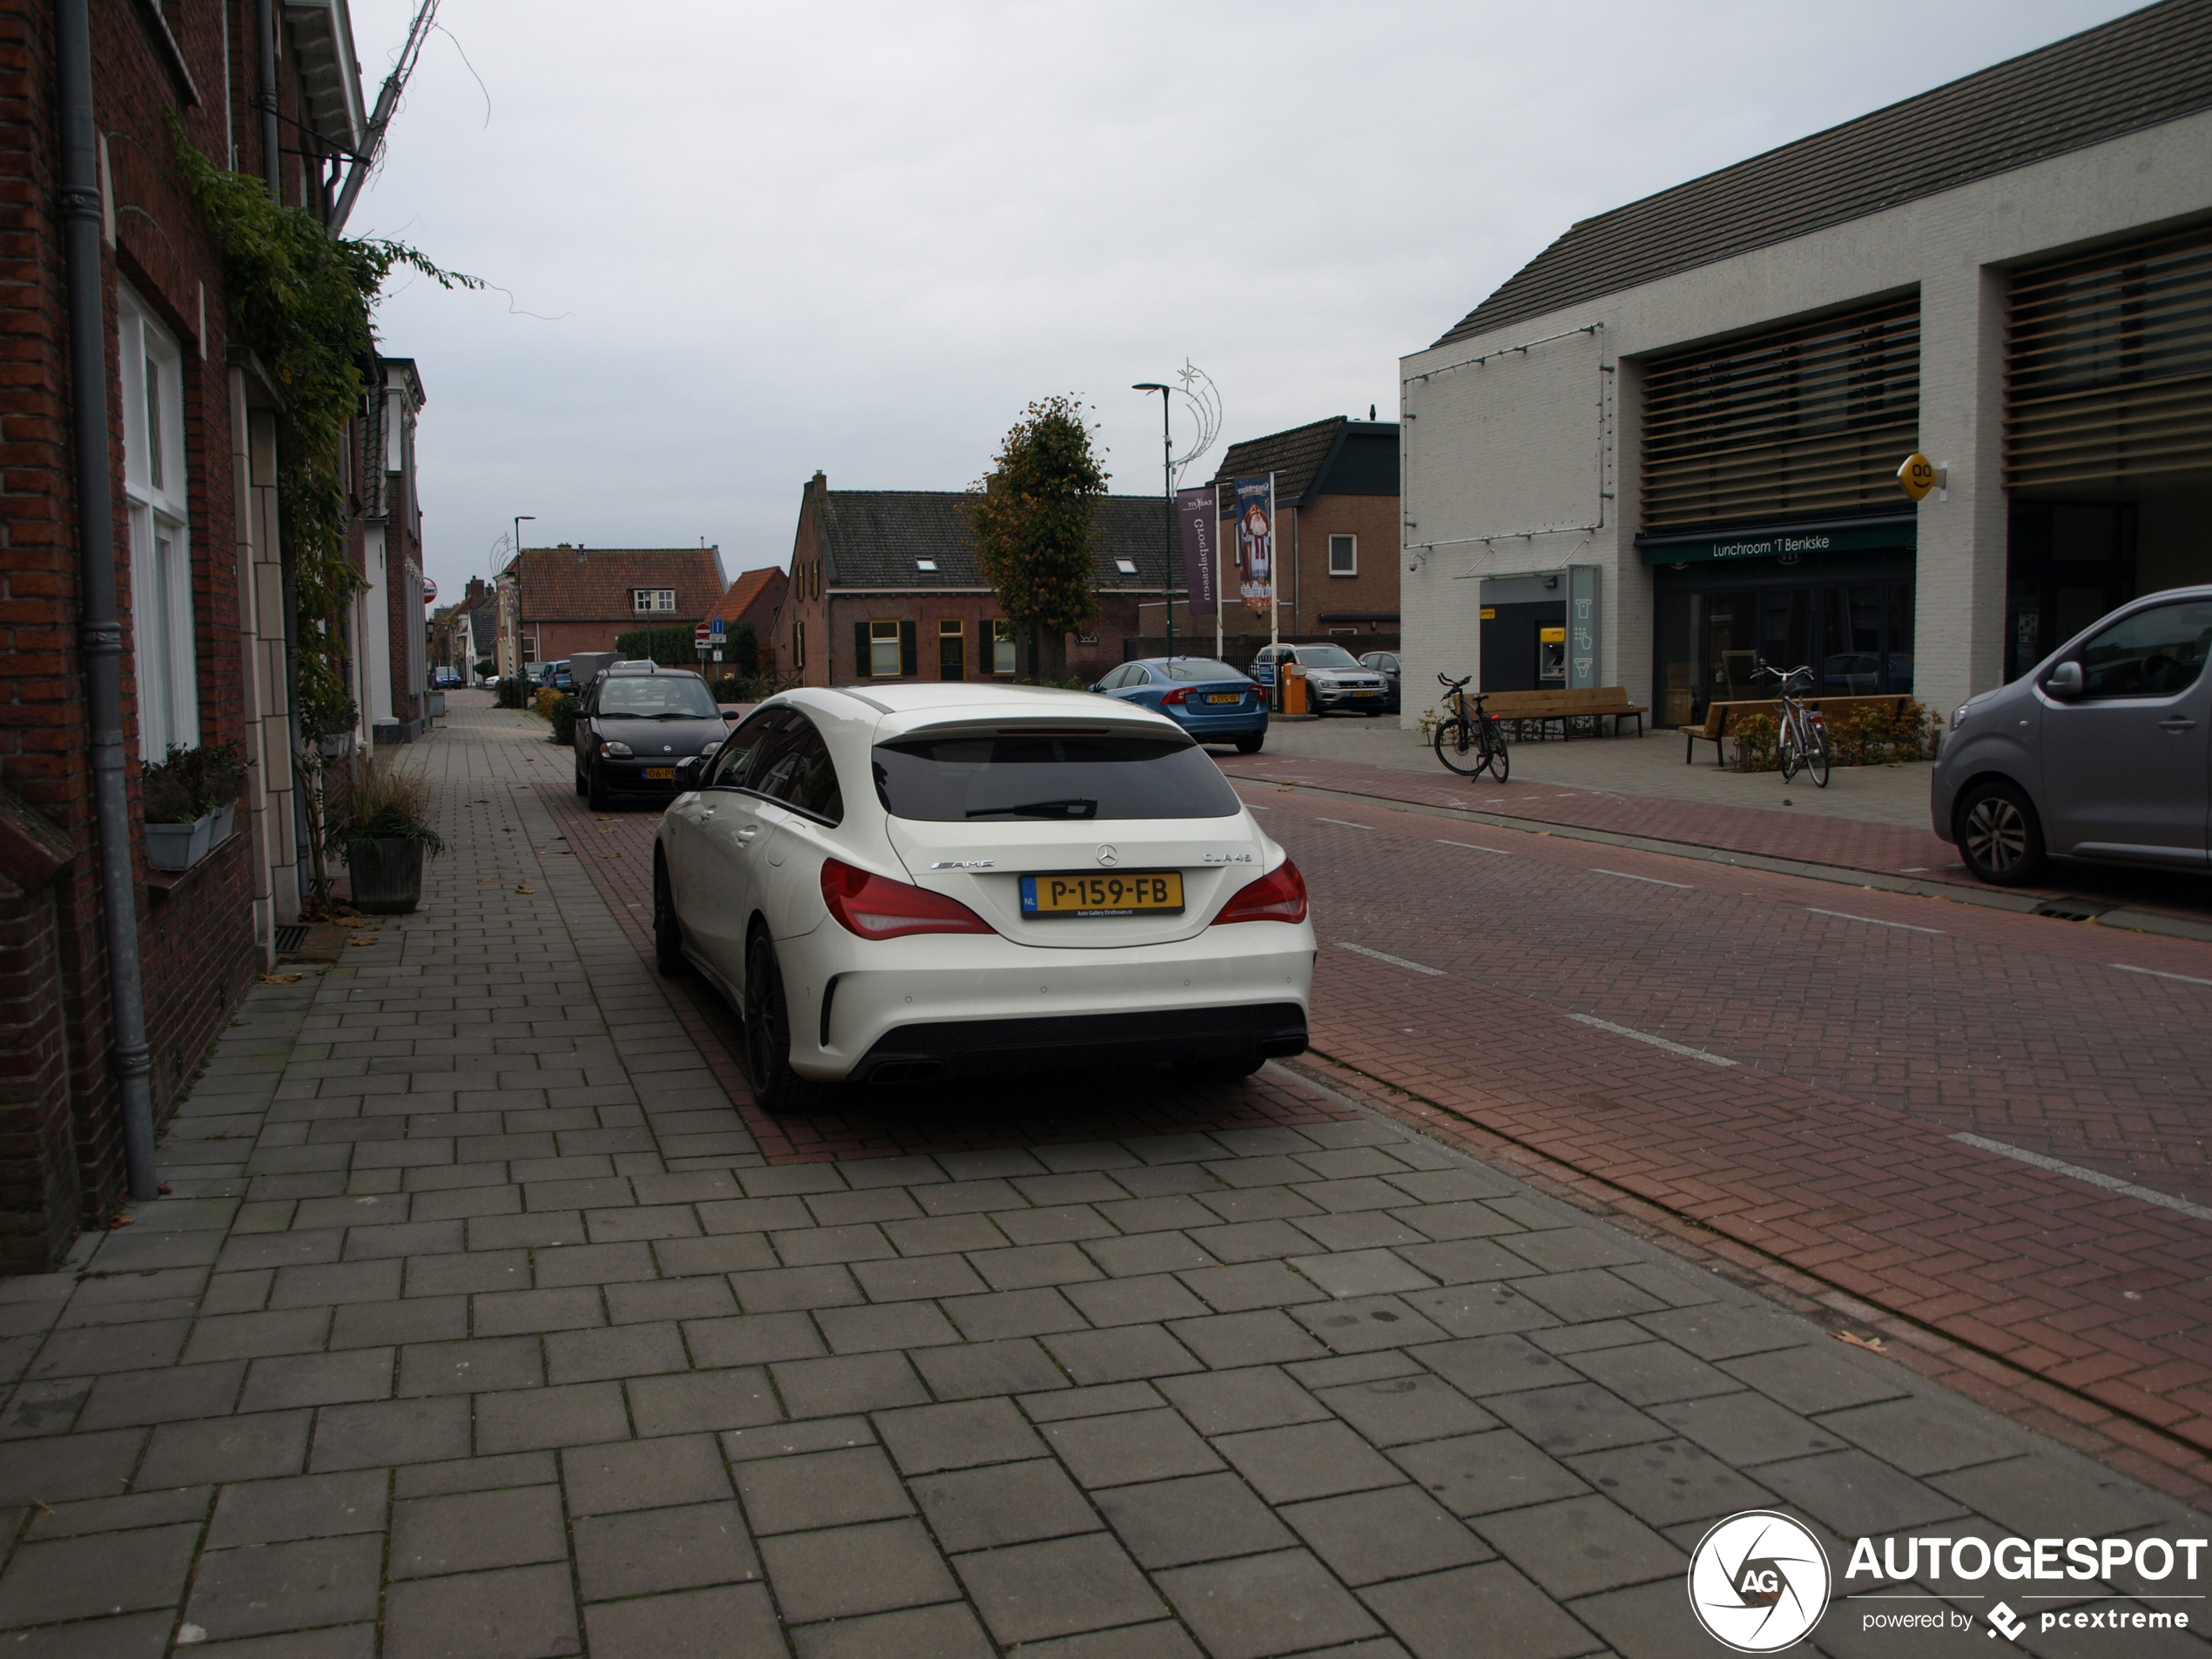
1279,896
876,907
1181,694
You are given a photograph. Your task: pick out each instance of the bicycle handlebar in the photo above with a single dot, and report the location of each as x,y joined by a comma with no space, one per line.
1452,684
1784,675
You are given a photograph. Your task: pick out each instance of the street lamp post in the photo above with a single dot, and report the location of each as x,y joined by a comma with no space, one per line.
521,519
1167,483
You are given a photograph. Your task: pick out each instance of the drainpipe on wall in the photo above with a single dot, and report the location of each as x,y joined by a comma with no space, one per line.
99,632
264,42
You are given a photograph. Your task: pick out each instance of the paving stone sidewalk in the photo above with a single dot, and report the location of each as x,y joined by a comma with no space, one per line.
478,1325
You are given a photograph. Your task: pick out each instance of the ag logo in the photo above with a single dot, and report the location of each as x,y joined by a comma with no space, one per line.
1758,1581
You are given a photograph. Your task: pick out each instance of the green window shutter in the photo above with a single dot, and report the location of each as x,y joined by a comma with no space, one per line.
910,655
860,650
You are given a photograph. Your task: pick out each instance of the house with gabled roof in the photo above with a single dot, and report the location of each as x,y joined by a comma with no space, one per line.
887,584
755,597
1336,527
558,601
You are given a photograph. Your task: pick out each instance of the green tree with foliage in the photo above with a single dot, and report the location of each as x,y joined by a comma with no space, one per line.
1033,520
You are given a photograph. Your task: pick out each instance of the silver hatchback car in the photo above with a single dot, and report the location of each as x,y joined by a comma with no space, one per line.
2103,751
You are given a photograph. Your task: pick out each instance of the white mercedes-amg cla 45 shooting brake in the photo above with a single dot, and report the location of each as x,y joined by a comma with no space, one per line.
914,882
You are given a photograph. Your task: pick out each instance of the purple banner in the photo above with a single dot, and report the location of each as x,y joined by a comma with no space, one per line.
1195,513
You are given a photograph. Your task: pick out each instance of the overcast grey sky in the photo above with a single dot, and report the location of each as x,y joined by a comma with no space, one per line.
746,241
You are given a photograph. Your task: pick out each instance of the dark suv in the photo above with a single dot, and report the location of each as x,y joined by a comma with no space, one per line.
636,722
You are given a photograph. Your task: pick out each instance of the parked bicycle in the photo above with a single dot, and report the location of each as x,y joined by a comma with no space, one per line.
1469,740
1801,742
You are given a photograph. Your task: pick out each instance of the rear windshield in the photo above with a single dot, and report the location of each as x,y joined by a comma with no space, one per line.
1009,776
1198,668
679,694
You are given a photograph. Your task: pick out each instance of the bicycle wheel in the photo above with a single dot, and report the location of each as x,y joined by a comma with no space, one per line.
1788,753
1457,748
1817,752
1493,744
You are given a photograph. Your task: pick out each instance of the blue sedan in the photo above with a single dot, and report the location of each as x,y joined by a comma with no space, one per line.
1210,700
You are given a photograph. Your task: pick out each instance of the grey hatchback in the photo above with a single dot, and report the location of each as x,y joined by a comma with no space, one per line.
637,721
2103,751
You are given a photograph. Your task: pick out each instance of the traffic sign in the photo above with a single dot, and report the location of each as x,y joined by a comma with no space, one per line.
1917,475
719,631
702,634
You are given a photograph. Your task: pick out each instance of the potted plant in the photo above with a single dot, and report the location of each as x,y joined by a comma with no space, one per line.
190,800
376,816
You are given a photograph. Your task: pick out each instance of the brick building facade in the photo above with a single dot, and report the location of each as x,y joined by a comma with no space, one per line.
558,601
886,585
190,468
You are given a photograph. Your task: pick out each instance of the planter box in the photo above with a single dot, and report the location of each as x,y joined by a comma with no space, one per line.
225,818
179,847
386,876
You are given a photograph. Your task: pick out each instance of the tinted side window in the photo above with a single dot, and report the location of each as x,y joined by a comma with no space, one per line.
2153,653
740,746
1114,681
1139,677
796,769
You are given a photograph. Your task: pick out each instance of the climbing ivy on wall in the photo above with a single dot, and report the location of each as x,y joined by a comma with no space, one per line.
302,299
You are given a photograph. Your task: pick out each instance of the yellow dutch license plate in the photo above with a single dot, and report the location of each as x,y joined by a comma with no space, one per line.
1224,697
1366,691
665,773
1136,893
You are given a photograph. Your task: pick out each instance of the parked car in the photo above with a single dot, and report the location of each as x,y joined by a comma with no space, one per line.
1334,679
557,675
447,679
938,880
1209,700
2100,752
1385,663
636,723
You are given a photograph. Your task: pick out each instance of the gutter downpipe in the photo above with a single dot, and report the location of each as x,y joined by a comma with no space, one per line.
264,42
99,631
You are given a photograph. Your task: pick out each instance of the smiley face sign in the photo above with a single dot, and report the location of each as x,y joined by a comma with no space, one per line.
1917,475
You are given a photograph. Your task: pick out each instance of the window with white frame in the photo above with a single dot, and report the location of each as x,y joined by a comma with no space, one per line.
653,600
883,650
154,490
1344,555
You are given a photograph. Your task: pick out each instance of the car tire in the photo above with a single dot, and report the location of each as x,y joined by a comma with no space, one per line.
1999,836
1250,745
582,787
668,932
767,1035
1231,1070
602,799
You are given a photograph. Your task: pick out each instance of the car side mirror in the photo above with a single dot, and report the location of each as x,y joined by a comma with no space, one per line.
2065,680
688,770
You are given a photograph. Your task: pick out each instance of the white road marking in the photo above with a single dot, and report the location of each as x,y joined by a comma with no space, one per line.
1346,822
1653,879
2095,1177
1471,847
1657,1043
1395,961
1872,921
2129,968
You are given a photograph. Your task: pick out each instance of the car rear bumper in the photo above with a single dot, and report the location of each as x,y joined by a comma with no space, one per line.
1087,1042
1241,723
941,999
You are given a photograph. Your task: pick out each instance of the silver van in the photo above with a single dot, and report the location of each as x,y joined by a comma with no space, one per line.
2104,750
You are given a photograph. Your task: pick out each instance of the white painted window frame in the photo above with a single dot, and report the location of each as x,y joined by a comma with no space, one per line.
156,494
1351,543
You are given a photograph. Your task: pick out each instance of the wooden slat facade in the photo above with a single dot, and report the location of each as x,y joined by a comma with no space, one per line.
1812,418
2108,365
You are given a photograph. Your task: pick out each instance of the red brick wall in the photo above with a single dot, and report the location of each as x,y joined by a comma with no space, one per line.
39,1173
199,949
1309,589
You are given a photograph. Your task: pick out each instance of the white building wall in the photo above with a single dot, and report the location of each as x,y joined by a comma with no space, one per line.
375,636
1501,450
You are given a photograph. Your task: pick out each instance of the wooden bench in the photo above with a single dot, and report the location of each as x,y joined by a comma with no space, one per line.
1591,703
1719,716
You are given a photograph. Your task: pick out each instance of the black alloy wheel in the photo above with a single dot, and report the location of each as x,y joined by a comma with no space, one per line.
668,932
1999,835
767,1034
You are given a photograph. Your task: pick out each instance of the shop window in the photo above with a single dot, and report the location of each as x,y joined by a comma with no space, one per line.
155,494
1002,660
1344,555
952,648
